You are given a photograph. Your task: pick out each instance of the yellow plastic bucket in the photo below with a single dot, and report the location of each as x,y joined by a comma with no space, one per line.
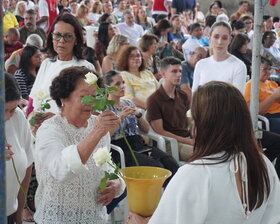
144,184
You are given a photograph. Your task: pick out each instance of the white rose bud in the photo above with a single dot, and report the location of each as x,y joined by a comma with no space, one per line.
102,156
91,79
41,95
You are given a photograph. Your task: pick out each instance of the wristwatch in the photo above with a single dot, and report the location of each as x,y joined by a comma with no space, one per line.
139,115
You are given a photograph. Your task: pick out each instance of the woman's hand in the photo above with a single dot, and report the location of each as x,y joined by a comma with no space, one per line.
133,218
109,193
8,152
128,110
106,122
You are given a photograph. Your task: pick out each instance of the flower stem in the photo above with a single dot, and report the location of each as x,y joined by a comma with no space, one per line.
21,188
131,150
15,169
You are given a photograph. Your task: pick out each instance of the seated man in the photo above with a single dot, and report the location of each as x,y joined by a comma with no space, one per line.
30,27
269,96
11,42
167,108
188,69
130,28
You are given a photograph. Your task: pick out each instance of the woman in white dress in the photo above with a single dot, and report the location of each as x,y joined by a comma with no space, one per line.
228,179
18,145
221,65
67,175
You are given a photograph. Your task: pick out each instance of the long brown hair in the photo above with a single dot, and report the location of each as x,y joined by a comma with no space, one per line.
223,124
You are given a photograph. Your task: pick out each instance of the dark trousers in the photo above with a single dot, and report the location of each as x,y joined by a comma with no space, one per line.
271,141
274,122
11,219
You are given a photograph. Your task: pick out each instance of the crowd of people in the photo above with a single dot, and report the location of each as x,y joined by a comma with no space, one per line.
165,57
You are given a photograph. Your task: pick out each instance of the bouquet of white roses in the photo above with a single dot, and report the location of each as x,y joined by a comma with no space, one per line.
43,98
101,157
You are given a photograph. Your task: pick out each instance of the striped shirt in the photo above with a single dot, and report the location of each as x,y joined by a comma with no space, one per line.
25,82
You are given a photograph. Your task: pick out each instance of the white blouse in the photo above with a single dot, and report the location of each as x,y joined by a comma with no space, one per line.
19,136
207,194
67,188
49,70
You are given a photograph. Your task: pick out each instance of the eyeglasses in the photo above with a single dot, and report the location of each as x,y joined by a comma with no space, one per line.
248,23
66,37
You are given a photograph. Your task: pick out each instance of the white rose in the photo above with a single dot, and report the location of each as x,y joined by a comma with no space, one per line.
41,95
189,113
91,79
102,156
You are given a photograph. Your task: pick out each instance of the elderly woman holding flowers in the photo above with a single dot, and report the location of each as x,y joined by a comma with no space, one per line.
67,174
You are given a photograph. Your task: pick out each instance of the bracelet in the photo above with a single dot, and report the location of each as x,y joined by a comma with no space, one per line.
139,115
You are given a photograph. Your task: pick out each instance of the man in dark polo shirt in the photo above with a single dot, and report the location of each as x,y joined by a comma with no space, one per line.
30,27
167,108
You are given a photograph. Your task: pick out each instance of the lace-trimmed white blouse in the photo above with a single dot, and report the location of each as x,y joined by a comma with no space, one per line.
67,188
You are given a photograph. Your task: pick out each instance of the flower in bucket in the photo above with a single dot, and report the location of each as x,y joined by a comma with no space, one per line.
101,157
43,98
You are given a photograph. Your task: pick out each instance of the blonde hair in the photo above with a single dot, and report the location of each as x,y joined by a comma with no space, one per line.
115,43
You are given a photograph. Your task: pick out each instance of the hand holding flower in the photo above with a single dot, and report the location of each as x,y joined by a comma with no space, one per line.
109,193
8,152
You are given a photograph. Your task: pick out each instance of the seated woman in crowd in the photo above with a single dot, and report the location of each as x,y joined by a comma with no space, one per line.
130,119
18,150
82,15
268,40
115,46
239,48
29,64
175,35
140,83
148,44
106,32
142,19
67,175
269,96
227,173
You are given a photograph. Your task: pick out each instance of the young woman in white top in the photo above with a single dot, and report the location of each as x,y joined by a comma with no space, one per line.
221,66
18,145
228,179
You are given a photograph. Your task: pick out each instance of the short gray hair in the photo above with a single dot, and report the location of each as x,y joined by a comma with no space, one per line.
34,40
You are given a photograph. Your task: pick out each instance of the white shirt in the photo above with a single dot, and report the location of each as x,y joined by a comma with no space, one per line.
48,71
133,32
43,11
19,136
274,51
67,189
207,194
30,5
232,70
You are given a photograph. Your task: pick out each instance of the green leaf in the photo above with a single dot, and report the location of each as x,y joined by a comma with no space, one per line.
103,183
100,91
112,89
88,100
113,176
47,106
33,120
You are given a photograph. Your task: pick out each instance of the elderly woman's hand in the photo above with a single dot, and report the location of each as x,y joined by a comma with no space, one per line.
106,122
8,152
109,193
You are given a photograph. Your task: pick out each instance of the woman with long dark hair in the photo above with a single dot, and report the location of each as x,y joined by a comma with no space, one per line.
106,32
29,64
228,179
239,48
